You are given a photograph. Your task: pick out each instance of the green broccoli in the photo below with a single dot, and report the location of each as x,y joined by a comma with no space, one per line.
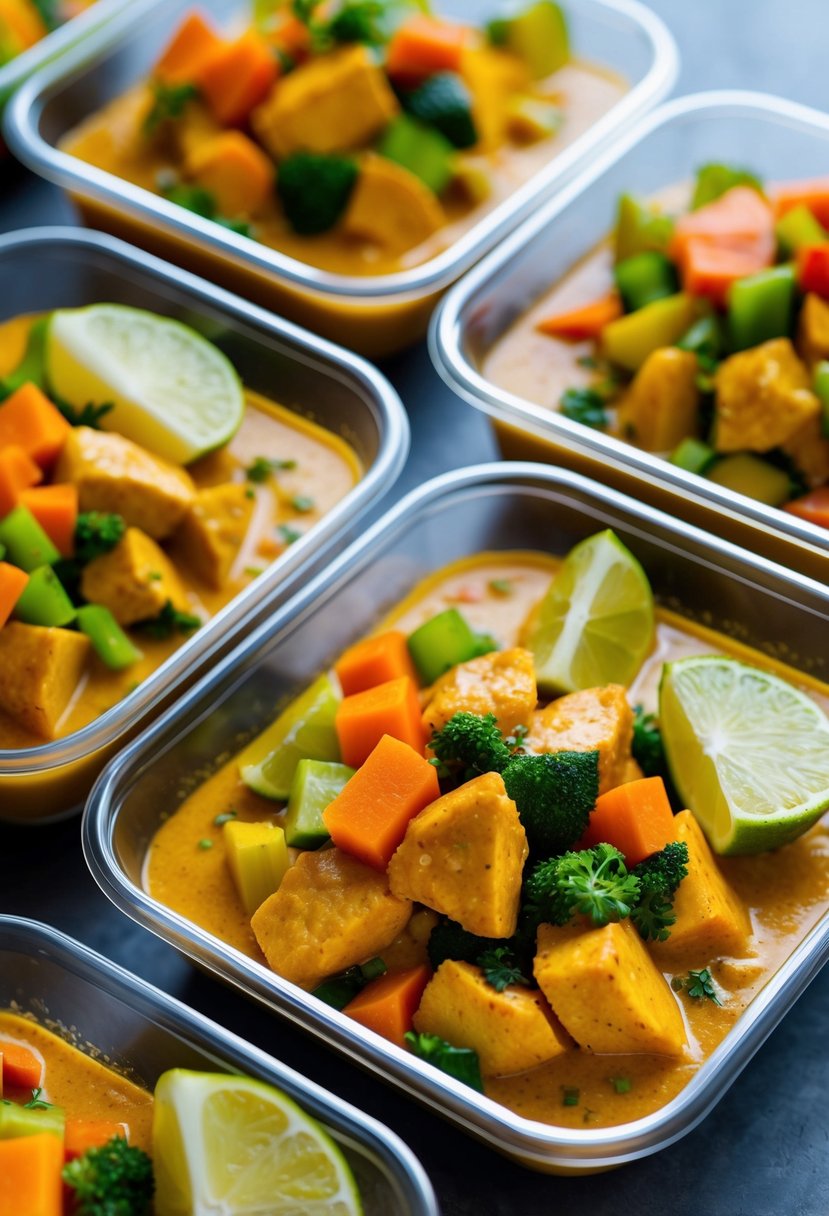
443,101
647,748
462,1063
659,876
469,745
594,882
501,969
314,190
450,940
96,533
114,1180
555,794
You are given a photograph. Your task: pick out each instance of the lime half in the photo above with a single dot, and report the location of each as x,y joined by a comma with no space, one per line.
749,754
231,1146
595,624
171,390
303,731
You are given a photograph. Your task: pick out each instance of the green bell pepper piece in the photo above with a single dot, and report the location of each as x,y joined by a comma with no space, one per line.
108,639
539,36
26,543
713,181
760,307
43,601
639,228
444,641
694,456
17,1121
645,277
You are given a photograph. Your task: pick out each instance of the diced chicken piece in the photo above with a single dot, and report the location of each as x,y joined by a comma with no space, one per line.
235,170
334,103
710,917
330,912
212,531
813,329
493,77
500,683
40,668
114,474
511,1030
390,207
595,719
134,580
809,451
464,856
763,398
606,991
660,408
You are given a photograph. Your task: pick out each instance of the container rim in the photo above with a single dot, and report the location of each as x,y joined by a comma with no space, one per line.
534,1142
447,326
22,131
373,1135
339,363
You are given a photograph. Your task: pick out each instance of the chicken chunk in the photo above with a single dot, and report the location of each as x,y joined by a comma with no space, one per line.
330,912
464,856
134,580
333,103
763,398
114,474
40,668
500,683
212,531
511,1030
813,329
595,719
606,991
659,409
809,451
391,207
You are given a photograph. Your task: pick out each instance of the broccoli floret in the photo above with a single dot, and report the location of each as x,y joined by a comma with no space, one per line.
114,1180
450,940
501,969
96,533
554,795
594,882
469,745
647,748
444,102
314,190
659,876
459,1062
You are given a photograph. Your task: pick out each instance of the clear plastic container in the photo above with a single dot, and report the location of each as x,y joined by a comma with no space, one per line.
499,506
141,1031
775,138
49,268
374,315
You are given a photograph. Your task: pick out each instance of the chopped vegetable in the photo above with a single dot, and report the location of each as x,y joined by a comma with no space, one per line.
340,989
257,854
631,339
756,478
640,228
365,717
584,405
459,1062
645,277
424,46
31,1119
694,456
29,419
469,745
12,583
114,1178
578,324
236,77
44,601
169,103
593,882
97,533
374,660
264,467
21,1067
555,794
18,472
635,818
193,44
445,103
713,181
314,190
798,228
500,968
646,745
813,507
387,1005
83,1134
55,508
722,242
659,877
706,340
698,984
760,306
315,785
169,621
813,195
444,641
538,35
421,149
108,639
30,1167
31,368
530,119
26,544
450,940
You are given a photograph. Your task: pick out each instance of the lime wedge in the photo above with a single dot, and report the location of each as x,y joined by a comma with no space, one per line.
595,624
231,1146
172,391
749,754
303,731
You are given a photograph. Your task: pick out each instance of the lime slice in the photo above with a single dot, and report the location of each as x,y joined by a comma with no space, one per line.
303,731
172,391
595,624
749,754
231,1146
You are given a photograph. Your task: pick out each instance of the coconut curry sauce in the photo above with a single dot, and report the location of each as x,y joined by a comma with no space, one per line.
319,469
785,892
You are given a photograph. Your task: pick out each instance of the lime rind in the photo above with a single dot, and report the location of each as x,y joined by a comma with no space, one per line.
303,731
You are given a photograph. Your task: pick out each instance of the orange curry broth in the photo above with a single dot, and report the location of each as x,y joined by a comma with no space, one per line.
786,891
327,469
85,1087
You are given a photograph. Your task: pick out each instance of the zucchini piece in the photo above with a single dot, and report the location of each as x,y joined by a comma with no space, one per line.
694,456
538,35
420,149
630,340
760,307
645,277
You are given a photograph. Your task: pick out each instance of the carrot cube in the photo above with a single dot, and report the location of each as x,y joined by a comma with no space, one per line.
580,323
193,44
12,582
56,510
425,45
375,661
392,708
29,419
21,1067
636,818
387,1005
17,472
83,1134
369,817
237,77
30,1181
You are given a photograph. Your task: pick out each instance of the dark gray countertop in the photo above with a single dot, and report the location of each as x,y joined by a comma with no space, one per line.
765,1150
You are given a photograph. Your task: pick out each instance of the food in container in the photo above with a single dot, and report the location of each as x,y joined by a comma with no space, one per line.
24,23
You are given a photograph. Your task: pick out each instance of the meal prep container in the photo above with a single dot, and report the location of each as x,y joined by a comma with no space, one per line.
375,315
498,506
45,268
778,139
142,1032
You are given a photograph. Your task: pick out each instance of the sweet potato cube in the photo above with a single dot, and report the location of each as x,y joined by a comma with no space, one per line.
501,683
592,720
464,856
330,912
194,43
391,207
55,508
363,719
511,1030
40,668
83,1134
209,537
606,991
373,661
711,919
134,580
234,170
29,419
17,473
237,77
387,1005
30,1181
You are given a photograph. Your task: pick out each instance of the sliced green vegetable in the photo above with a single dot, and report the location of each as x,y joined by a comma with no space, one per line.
314,190
108,639
631,339
444,641
17,1120
639,228
645,277
43,601
694,456
315,785
760,307
820,384
584,405
797,228
756,478
715,180
26,543
32,366
706,340
462,1063
420,149
538,35
445,103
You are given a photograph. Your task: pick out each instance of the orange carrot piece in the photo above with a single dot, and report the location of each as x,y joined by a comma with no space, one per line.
711,271
237,77
83,1134
724,241
30,1181
291,36
21,1067
392,708
425,45
56,510
12,582
17,473
375,661
387,1005
813,193
368,819
586,322
193,44
29,419
635,817
813,507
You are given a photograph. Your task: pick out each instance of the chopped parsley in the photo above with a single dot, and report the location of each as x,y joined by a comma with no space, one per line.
96,532
302,503
168,622
288,535
499,968
205,844
584,405
88,415
263,467
36,1102
225,817
169,102
622,1085
701,984
569,1095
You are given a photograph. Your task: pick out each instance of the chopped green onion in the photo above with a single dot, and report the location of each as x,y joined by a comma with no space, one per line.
26,543
108,639
43,601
